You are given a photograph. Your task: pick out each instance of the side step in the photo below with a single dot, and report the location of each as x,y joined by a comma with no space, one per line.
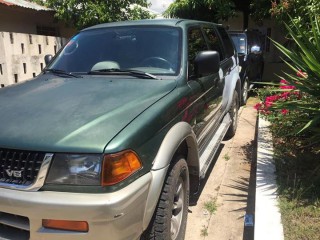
212,147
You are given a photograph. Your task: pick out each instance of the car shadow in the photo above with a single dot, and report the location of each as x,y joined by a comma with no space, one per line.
195,197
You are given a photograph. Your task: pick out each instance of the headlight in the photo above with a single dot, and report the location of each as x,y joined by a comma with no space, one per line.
75,169
93,170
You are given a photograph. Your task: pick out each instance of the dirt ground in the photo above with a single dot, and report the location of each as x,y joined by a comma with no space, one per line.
229,187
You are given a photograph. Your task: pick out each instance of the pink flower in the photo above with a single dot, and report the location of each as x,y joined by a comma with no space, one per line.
268,104
272,98
284,111
302,74
257,106
285,95
285,84
287,87
265,112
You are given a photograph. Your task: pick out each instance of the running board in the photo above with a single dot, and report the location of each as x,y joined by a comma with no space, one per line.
212,147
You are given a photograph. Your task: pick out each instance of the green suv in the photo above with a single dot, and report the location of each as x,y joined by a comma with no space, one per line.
116,133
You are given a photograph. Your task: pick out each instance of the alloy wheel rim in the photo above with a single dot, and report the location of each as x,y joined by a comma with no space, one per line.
245,90
177,209
235,115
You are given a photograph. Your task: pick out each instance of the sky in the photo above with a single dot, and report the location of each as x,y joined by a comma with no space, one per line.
160,5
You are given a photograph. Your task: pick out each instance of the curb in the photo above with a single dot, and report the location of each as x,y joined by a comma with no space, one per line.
267,214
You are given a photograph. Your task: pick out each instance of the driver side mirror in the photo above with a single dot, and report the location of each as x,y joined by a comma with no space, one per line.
48,58
255,49
206,63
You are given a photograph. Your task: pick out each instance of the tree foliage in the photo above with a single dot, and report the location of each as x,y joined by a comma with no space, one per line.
280,10
84,13
206,10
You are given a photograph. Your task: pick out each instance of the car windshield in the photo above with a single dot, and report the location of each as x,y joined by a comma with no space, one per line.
154,50
239,41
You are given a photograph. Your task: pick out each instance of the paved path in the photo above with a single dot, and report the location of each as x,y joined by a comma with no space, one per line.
230,184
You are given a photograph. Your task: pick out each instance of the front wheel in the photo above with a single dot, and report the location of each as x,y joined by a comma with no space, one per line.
170,217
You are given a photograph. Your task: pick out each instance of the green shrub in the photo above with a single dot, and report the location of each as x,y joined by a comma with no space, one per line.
293,106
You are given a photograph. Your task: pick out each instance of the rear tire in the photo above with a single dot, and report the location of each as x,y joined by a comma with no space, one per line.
234,116
170,217
245,91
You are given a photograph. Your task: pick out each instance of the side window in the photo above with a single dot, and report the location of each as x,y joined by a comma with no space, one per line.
214,41
226,41
196,43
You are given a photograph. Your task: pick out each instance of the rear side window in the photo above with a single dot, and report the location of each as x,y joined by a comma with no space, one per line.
228,45
196,43
214,41
239,40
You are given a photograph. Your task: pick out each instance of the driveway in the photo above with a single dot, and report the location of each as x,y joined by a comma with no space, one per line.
229,187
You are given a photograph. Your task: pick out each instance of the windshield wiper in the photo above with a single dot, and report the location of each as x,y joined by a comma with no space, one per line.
60,72
115,71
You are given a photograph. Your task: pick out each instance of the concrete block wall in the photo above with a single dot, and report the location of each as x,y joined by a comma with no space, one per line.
22,55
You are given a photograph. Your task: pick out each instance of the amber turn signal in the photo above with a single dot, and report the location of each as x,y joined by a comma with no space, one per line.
119,166
78,226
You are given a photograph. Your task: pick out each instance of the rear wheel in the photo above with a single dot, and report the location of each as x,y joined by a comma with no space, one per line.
170,217
245,91
234,116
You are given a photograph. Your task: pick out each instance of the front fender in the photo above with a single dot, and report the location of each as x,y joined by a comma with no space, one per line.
179,133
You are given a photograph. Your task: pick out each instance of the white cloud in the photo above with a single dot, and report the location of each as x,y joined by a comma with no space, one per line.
160,5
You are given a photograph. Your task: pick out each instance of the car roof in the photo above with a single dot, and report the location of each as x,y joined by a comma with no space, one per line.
155,22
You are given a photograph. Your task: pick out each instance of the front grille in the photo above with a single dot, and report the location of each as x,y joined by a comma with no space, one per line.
19,167
14,227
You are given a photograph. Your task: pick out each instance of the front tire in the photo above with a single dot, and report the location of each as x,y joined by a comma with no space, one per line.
170,218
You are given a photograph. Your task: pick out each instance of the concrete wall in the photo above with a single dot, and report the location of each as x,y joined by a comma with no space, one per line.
24,20
22,55
22,50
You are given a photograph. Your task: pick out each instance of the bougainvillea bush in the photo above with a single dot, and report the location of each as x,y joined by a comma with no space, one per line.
293,107
286,121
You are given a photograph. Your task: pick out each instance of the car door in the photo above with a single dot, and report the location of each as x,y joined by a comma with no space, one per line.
205,95
228,63
255,58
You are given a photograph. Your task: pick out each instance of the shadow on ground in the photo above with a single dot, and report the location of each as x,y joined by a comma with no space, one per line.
194,198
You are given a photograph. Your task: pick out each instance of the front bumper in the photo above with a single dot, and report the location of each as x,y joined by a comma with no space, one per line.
117,215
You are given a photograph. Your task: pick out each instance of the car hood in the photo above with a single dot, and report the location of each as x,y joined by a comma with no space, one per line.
73,114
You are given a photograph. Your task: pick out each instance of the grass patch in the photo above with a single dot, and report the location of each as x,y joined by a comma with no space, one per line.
226,157
300,221
211,206
204,231
298,177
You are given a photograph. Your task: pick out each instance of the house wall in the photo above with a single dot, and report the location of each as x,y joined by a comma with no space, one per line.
235,23
22,55
274,66
24,20
22,50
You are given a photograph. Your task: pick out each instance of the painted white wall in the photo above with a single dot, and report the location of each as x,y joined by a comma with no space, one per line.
22,55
